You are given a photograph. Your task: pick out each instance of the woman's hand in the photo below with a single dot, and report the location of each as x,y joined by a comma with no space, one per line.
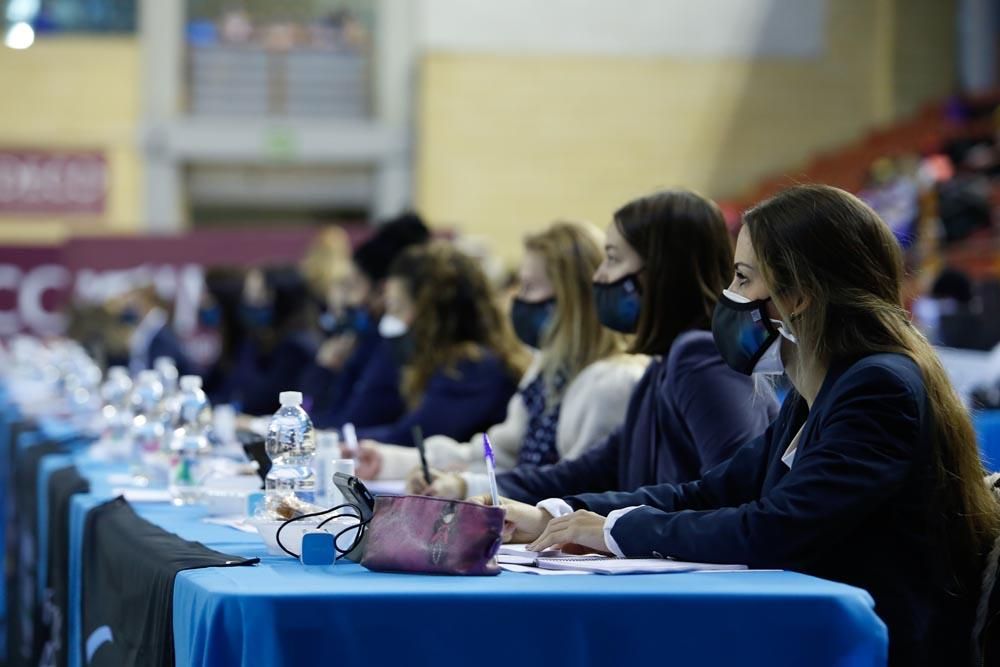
369,460
335,352
582,528
448,485
416,484
523,523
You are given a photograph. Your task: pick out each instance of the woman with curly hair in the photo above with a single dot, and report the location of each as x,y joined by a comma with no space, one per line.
572,396
459,357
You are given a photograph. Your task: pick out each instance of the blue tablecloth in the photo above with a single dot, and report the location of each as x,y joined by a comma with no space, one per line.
352,616
282,613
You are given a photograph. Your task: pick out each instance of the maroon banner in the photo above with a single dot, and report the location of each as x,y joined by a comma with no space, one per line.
36,182
37,282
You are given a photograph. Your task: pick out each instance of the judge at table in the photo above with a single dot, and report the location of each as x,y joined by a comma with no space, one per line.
870,475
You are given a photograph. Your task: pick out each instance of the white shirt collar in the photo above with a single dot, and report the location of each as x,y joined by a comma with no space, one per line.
788,458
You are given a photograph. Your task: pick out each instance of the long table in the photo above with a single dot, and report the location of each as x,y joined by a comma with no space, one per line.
281,612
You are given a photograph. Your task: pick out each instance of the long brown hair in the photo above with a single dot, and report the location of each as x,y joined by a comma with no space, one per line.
687,254
458,316
826,245
574,338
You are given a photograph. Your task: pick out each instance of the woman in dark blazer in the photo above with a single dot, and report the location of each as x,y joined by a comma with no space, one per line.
667,258
280,344
458,356
870,475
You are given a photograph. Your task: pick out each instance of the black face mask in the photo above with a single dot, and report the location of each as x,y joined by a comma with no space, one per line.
256,317
746,337
403,348
530,319
618,303
353,319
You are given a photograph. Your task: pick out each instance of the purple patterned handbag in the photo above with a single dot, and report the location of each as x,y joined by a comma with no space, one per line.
433,535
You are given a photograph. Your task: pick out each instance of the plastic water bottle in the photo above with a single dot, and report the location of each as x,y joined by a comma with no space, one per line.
189,440
291,448
116,411
327,450
82,385
167,371
147,429
170,405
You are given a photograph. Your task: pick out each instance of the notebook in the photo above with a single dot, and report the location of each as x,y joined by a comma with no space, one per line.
518,554
602,565
528,569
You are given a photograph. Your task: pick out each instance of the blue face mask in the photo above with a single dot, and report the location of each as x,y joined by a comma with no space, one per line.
357,319
329,323
530,319
210,317
256,317
618,303
354,319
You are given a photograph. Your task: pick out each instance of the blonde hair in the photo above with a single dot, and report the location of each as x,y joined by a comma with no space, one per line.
458,317
327,261
827,245
574,337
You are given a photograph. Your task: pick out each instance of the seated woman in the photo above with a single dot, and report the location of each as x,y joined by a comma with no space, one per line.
354,377
459,357
571,397
276,313
667,257
870,475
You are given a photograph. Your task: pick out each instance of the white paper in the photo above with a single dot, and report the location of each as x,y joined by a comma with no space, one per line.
526,569
120,479
237,522
522,550
633,565
518,554
136,495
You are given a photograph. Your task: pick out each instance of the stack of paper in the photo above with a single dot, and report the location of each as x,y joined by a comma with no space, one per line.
517,558
631,565
518,554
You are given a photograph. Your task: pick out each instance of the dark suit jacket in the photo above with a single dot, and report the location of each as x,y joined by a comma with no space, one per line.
858,505
259,379
688,413
165,344
458,403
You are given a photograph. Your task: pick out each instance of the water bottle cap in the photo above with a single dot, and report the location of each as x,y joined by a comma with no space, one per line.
190,382
148,376
163,362
290,398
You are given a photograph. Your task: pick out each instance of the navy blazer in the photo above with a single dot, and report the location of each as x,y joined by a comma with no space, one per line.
688,413
332,392
457,402
858,506
259,379
374,397
166,344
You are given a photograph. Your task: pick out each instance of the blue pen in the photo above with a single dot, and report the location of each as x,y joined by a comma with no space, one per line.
491,469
